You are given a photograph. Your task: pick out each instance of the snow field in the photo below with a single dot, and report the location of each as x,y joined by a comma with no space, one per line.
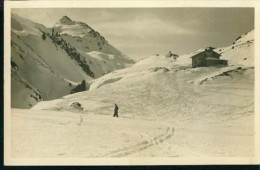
212,119
166,108
58,134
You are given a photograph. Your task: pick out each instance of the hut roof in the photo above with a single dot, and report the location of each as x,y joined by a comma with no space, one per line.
206,50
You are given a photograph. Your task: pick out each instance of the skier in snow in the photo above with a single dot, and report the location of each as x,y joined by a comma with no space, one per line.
116,111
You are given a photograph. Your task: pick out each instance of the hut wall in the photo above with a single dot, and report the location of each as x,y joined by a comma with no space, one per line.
212,62
216,62
198,61
224,62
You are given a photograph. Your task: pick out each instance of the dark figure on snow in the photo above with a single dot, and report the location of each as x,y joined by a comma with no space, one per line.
115,111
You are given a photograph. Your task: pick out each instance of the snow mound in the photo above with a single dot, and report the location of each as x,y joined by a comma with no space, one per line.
153,61
109,81
225,71
48,105
76,105
163,69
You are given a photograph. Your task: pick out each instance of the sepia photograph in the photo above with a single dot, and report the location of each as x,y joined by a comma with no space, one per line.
131,84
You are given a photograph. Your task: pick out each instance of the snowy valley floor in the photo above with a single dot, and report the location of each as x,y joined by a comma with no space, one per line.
48,134
176,113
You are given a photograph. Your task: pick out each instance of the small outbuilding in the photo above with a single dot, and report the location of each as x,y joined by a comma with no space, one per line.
207,58
171,55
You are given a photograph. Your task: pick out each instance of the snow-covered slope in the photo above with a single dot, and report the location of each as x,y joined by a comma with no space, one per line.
158,81
53,65
160,114
96,50
159,88
38,63
208,111
241,52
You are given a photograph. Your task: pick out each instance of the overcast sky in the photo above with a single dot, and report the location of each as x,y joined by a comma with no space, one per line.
140,32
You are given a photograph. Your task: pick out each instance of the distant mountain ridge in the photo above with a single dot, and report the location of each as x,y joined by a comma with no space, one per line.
52,61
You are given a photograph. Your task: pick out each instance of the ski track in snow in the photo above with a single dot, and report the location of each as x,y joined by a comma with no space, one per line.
149,142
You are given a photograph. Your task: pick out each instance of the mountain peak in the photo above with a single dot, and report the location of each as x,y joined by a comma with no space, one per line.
66,20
